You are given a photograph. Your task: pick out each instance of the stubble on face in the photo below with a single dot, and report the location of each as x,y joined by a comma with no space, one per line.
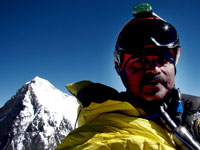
149,86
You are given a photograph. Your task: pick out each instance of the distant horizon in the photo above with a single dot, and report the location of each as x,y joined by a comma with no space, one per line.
69,41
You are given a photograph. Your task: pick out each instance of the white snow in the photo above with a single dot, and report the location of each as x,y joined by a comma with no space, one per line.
52,105
55,100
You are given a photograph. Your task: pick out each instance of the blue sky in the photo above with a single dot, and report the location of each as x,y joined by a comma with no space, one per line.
65,41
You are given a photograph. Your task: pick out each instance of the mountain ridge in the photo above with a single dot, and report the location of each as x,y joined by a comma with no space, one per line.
38,116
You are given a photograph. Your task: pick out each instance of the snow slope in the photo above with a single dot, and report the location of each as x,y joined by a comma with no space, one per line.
39,116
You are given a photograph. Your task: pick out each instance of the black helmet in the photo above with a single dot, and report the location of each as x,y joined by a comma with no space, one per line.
144,31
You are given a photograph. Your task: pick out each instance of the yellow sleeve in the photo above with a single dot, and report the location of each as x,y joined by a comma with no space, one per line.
74,88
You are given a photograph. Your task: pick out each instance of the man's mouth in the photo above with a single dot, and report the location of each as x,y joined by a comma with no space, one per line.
152,83
150,80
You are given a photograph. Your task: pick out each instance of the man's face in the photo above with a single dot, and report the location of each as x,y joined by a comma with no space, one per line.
150,77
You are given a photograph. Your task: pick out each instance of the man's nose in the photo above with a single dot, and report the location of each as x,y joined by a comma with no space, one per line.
153,67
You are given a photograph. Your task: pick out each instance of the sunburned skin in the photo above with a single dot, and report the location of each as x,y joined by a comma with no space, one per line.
150,77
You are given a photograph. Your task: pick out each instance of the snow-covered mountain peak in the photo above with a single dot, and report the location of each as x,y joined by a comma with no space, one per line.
40,82
39,116
54,99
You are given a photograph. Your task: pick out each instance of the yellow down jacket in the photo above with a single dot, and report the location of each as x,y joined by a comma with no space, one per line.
110,124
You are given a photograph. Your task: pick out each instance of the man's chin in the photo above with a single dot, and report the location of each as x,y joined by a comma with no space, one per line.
152,98
153,93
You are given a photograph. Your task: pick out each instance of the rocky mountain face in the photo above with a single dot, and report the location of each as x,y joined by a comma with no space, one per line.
38,117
